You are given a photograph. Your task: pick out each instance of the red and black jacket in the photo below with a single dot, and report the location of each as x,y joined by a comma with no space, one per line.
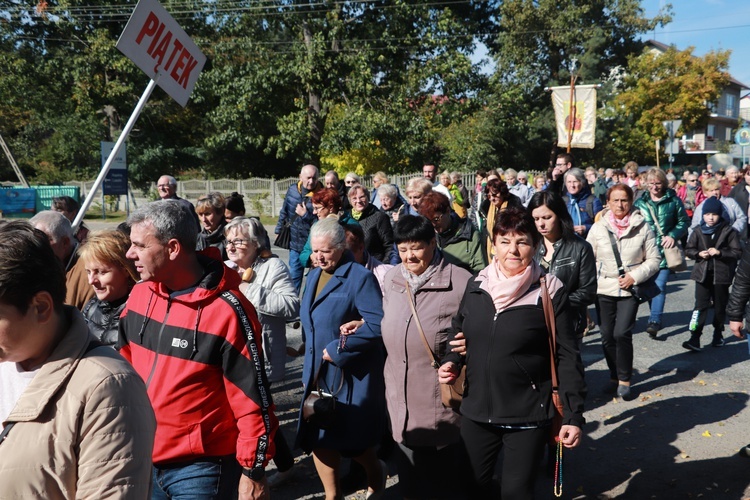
200,353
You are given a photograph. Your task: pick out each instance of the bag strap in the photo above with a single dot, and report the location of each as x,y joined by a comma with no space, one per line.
549,318
656,220
618,260
317,378
435,362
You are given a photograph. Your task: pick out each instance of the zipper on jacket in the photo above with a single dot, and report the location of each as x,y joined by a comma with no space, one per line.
488,365
519,365
158,343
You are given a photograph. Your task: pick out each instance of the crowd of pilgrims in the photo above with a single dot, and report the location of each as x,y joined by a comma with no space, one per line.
406,289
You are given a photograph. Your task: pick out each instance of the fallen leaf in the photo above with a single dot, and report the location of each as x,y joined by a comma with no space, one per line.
684,455
706,434
701,382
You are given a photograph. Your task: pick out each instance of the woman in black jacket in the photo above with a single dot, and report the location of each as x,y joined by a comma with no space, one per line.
112,276
564,254
375,224
508,400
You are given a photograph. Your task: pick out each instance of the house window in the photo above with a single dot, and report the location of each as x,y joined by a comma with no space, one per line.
731,102
710,132
728,134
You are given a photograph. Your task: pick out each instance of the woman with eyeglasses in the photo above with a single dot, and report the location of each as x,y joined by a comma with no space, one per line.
741,194
267,284
661,206
327,204
499,198
691,193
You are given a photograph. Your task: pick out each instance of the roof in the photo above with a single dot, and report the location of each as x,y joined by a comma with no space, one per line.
663,47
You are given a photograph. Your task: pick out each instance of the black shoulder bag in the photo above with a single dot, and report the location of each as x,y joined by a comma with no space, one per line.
642,292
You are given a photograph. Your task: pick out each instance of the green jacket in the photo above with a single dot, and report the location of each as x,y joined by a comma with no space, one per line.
670,214
461,245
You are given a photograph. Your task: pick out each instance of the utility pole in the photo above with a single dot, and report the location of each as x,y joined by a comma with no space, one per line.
13,163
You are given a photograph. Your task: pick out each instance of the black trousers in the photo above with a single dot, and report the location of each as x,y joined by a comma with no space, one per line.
617,320
523,450
427,472
704,292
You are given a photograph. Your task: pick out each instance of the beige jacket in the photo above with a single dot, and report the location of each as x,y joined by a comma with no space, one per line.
84,427
638,252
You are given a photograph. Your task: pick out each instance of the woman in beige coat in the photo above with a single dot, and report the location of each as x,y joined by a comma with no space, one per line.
426,432
640,257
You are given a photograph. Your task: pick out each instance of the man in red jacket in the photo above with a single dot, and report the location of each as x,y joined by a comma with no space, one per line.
195,341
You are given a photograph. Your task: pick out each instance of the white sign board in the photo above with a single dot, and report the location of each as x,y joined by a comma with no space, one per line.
160,48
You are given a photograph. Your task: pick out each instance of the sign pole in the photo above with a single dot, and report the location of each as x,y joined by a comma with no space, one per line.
120,140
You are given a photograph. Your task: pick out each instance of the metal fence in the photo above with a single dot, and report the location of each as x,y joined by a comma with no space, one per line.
262,196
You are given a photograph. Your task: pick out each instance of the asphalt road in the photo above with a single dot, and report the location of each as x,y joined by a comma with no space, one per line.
677,440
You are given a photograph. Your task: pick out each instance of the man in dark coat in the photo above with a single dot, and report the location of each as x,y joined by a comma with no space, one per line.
298,212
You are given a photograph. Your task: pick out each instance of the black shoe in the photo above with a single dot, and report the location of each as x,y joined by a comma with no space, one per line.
718,341
694,344
652,329
624,392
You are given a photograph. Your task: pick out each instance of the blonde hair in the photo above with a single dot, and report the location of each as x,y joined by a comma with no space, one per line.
710,184
109,246
214,202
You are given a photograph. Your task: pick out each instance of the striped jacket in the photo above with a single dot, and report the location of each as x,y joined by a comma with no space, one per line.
199,352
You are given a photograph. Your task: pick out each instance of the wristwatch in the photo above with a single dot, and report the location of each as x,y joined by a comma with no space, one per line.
255,474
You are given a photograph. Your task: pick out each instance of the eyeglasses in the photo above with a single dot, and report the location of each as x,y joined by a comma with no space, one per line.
655,184
692,180
560,164
238,243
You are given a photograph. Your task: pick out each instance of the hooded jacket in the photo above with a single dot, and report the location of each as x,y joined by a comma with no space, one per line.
727,241
200,353
583,207
83,428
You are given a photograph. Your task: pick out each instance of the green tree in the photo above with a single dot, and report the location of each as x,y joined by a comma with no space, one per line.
666,86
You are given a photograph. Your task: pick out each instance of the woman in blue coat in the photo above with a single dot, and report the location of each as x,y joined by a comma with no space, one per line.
341,293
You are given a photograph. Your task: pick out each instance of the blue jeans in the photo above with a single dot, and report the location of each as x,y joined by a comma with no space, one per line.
296,271
657,303
216,478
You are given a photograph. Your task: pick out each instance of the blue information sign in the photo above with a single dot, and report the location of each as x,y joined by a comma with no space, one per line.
116,181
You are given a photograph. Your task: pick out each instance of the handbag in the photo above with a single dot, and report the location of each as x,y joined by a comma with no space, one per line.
451,395
319,407
549,319
642,292
675,259
284,238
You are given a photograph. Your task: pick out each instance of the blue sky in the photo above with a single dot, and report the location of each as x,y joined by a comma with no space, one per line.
708,25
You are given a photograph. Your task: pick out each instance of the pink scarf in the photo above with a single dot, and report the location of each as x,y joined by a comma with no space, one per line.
620,225
504,290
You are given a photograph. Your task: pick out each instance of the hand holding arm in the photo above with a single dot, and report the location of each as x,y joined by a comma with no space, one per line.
447,373
351,327
458,344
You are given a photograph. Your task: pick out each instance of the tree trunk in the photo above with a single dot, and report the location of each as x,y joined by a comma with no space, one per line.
315,119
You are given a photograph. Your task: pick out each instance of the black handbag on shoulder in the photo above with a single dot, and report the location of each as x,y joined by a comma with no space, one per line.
642,292
284,237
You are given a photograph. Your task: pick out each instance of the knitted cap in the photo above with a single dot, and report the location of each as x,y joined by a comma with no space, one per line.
712,205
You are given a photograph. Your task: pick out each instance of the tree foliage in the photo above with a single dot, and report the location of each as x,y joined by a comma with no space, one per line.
668,85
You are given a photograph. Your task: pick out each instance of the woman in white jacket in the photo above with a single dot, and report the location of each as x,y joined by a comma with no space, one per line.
640,257
267,284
